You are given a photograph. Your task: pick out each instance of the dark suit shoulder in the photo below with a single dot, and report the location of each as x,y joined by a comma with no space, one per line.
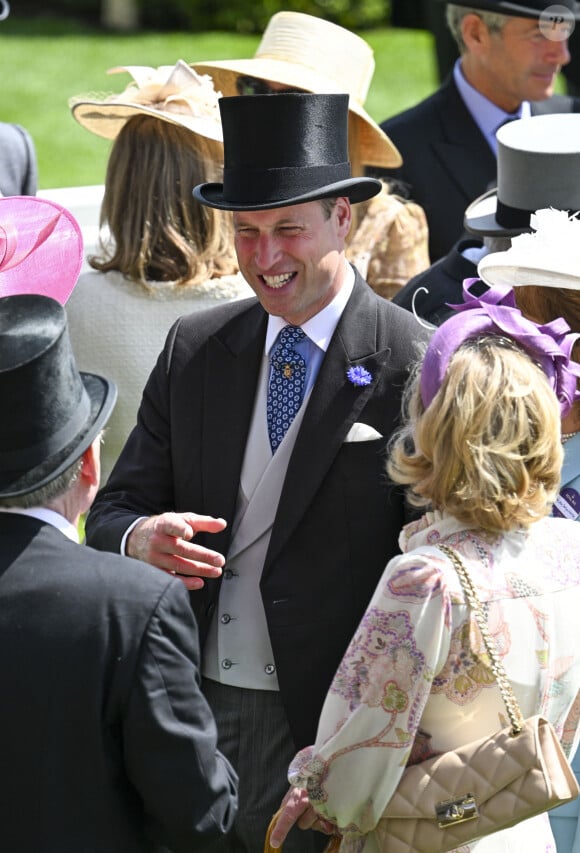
190,333
414,116
104,574
202,324
18,166
125,571
397,329
430,293
432,279
218,315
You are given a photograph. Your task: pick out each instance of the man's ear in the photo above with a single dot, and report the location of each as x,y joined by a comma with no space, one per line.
343,212
475,34
91,463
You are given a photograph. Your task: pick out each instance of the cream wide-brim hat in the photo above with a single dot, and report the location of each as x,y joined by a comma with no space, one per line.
547,257
305,52
175,94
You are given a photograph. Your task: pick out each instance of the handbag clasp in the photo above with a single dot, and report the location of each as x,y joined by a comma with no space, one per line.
452,812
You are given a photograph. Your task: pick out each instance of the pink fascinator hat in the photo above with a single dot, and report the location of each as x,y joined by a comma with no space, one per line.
41,248
495,312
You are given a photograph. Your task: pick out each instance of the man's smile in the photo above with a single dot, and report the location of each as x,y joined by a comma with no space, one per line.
277,281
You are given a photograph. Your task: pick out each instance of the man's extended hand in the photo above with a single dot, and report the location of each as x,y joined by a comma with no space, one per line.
165,541
296,809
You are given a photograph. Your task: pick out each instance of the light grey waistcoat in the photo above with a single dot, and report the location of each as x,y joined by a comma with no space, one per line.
238,650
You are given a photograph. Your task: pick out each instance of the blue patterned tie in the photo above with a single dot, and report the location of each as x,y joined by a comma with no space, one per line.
286,387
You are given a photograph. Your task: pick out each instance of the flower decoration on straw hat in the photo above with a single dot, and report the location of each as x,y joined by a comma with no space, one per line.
174,94
547,257
495,312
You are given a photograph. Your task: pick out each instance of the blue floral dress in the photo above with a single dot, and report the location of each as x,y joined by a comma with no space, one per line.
412,681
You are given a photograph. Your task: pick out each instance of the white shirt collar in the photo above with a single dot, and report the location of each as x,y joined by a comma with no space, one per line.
49,516
319,328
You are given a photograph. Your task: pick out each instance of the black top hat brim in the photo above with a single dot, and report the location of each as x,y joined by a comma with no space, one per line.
355,189
525,9
480,218
102,395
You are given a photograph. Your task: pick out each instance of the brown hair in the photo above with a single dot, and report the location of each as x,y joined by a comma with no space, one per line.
544,304
160,232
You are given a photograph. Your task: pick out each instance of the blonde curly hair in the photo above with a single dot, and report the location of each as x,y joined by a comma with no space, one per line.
487,449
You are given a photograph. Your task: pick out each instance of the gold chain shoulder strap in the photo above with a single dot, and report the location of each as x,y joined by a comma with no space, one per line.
507,693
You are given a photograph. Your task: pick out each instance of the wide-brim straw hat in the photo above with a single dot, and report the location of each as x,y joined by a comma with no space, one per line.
523,9
41,248
175,94
305,52
538,166
52,412
547,257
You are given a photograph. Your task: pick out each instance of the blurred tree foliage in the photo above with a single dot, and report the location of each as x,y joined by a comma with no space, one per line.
244,16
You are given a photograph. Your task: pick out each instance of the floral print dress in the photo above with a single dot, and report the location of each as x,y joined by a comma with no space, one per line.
413,681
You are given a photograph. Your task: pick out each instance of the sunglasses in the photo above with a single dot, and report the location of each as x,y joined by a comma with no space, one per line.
254,86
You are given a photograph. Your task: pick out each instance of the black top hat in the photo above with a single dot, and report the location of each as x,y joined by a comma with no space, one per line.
52,413
284,149
520,8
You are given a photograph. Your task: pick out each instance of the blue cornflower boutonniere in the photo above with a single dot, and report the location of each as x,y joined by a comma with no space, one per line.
359,376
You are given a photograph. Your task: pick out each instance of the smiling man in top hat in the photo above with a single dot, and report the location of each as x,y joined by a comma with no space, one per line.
107,742
387,241
511,52
270,417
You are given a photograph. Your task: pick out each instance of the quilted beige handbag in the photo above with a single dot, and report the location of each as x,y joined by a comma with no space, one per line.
484,786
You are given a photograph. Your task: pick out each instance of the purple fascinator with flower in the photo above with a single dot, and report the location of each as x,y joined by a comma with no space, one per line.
495,312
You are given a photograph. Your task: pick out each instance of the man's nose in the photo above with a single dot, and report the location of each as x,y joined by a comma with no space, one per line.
267,251
557,51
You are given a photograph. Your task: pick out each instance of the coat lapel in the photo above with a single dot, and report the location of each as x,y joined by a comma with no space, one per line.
335,404
462,150
233,362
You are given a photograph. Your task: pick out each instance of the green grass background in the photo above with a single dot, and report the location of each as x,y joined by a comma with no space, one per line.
46,61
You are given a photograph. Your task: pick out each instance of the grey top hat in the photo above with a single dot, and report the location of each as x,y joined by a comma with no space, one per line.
520,8
538,166
54,412
284,149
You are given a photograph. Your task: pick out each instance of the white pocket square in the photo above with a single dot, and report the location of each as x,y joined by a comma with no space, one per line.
362,432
